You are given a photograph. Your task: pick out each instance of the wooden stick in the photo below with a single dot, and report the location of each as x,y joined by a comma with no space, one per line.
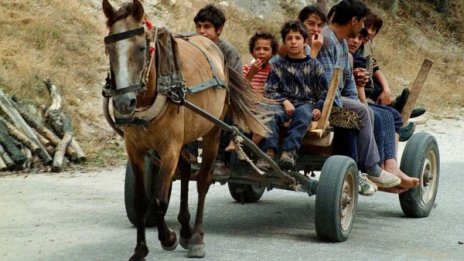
43,140
2,164
415,90
9,109
323,122
6,158
21,136
58,158
80,155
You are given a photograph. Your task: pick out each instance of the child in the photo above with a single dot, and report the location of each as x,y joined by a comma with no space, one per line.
262,46
296,82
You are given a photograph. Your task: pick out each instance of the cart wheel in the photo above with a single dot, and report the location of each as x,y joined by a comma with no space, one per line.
421,159
336,199
244,193
150,169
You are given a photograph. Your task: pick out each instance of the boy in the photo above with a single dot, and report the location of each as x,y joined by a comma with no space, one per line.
296,82
209,22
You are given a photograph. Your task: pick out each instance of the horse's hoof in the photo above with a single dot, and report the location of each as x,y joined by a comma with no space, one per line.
196,250
174,245
184,243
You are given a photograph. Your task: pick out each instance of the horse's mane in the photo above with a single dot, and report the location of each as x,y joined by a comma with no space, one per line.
124,11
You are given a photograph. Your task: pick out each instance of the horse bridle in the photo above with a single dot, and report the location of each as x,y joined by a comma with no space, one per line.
110,90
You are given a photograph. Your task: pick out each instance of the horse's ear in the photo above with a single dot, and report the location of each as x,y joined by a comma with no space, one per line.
107,9
137,10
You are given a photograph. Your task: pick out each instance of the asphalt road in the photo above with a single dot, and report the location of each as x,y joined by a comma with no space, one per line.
81,216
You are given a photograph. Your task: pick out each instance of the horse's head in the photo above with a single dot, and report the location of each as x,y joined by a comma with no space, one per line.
128,48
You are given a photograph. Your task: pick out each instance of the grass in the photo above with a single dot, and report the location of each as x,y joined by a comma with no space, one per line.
62,40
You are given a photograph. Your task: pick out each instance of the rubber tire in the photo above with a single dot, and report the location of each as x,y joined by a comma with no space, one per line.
419,147
151,169
251,194
328,198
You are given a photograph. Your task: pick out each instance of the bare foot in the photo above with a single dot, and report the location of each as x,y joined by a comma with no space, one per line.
407,182
230,147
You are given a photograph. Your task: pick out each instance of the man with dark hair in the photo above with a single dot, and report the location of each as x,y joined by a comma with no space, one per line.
209,22
347,18
297,83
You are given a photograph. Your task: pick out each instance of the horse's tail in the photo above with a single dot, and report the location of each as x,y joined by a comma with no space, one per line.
246,105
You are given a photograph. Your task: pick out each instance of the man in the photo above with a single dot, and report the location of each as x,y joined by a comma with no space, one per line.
209,22
347,18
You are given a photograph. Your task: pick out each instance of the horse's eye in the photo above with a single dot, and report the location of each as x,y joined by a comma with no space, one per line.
142,49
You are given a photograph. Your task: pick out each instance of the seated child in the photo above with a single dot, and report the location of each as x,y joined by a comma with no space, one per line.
296,83
262,47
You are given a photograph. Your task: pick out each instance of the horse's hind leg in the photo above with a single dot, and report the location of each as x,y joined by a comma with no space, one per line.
169,160
210,148
185,170
140,203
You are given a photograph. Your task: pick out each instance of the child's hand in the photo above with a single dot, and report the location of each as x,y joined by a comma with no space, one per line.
316,114
360,76
316,43
288,107
254,69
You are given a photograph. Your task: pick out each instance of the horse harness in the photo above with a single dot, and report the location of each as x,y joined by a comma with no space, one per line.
161,46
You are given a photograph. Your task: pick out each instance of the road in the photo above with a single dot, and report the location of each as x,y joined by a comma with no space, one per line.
81,216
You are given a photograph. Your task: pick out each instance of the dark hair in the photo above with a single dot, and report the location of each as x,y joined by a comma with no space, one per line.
293,26
344,11
211,13
374,21
265,36
309,10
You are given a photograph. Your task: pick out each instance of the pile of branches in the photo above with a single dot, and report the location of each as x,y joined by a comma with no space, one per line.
26,142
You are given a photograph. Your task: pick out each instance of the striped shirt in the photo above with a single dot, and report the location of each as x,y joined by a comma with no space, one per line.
334,53
259,79
297,80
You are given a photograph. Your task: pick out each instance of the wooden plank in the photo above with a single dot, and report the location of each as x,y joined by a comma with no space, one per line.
323,122
415,90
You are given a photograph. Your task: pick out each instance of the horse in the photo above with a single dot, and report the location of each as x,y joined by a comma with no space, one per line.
138,95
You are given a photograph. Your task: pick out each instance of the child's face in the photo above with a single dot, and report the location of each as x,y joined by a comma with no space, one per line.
313,24
262,50
295,42
371,33
207,29
354,42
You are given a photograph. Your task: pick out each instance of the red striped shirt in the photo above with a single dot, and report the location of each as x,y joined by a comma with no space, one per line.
259,79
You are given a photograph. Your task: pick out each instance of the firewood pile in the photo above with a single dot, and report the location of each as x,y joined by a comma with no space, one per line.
26,142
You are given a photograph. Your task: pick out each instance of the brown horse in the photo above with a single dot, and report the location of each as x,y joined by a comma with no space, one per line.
170,125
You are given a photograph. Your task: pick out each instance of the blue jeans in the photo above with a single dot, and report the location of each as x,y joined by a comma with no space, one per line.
298,126
384,132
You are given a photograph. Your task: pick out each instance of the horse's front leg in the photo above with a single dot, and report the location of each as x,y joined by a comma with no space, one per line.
210,148
185,169
140,203
169,159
